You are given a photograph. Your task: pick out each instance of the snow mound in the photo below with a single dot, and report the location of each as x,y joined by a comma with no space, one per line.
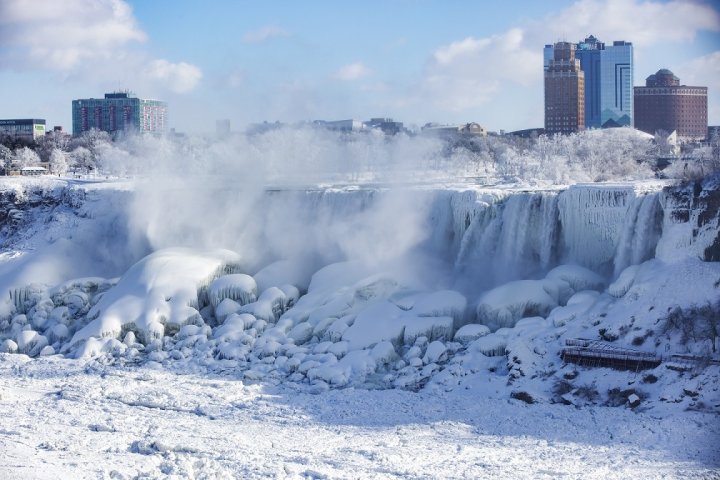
157,290
378,322
471,332
432,328
579,278
505,305
443,303
282,272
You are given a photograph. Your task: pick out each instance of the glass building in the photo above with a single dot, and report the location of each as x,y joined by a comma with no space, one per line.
26,128
608,81
119,112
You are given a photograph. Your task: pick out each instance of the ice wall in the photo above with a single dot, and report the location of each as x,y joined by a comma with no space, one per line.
485,237
471,239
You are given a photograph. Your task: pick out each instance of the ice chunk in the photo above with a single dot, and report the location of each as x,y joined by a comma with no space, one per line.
435,352
8,346
292,295
443,303
579,278
301,333
225,308
378,322
505,305
59,315
335,332
471,332
492,345
47,351
434,328
238,287
59,332
623,283
30,342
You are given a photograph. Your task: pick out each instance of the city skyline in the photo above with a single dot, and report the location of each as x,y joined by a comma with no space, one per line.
415,61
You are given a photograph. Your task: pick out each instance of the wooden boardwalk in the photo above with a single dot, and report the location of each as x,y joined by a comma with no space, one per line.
593,353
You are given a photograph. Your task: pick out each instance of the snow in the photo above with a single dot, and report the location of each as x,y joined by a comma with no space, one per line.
433,363
215,427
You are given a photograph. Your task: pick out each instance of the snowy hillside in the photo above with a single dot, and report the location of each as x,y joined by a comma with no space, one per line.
478,296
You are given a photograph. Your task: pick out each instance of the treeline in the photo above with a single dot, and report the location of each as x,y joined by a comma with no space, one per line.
307,154
61,152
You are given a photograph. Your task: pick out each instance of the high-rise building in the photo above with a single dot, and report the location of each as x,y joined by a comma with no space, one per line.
664,104
608,81
564,91
119,112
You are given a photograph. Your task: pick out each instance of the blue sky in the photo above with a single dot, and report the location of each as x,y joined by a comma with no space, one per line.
414,60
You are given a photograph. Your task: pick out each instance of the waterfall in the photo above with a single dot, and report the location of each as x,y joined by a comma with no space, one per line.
592,218
511,240
641,231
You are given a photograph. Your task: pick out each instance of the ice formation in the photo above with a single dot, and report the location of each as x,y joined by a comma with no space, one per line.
496,284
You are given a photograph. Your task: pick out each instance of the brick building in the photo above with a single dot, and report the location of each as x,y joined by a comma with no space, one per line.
664,104
564,91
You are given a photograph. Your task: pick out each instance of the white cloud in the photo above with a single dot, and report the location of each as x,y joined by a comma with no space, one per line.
86,39
469,73
702,71
178,77
644,23
264,34
351,72
60,35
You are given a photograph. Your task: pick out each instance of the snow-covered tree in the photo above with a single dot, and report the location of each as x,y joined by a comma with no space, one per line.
25,157
6,157
53,140
58,162
91,139
82,159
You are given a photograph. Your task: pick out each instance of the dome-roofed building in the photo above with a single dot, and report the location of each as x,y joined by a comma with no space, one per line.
664,104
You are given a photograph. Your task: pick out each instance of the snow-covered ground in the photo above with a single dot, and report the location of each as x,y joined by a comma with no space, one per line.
75,419
421,332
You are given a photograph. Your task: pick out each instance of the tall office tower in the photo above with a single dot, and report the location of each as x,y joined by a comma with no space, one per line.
608,81
664,104
119,112
564,91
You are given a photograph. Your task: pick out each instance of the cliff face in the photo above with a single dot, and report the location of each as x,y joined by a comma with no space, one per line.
692,218
24,209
